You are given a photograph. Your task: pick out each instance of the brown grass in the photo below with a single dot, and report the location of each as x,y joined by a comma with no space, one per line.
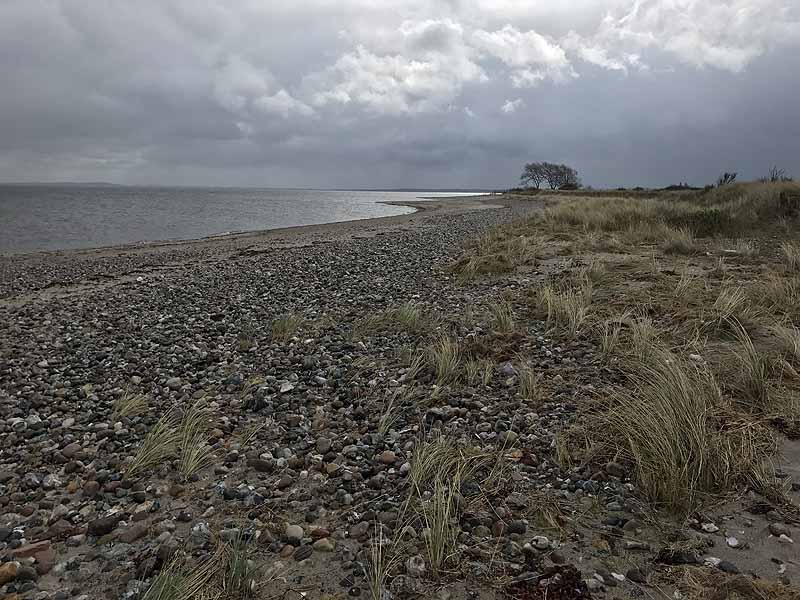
668,423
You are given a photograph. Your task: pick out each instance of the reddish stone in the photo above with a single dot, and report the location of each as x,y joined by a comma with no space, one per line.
31,549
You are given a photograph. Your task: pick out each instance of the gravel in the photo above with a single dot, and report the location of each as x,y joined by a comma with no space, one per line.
318,473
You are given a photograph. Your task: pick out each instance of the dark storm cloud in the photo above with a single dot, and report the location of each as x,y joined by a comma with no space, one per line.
397,93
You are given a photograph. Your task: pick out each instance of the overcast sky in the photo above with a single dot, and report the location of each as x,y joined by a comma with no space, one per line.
396,93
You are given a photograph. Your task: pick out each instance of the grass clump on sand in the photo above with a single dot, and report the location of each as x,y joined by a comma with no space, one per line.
286,326
567,309
478,371
171,436
444,357
129,404
712,584
529,381
679,241
672,425
180,581
502,316
408,317
500,251
791,254
159,445
238,577
229,574
195,453
437,492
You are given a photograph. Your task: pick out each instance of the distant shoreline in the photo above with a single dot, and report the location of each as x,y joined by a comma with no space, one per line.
42,219
453,204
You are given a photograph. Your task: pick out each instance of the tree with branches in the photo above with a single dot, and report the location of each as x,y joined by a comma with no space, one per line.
555,176
533,175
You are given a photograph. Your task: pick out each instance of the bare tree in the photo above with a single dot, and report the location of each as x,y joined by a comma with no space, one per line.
726,178
550,171
567,178
533,174
776,175
556,176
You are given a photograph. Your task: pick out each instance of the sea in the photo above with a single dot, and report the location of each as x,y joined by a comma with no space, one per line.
56,217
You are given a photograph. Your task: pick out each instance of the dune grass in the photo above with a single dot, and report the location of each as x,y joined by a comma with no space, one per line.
409,317
673,426
129,404
566,310
502,316
439,469
159,445
195,453
238,578
791,255
478,372
444,357
285,327
529,381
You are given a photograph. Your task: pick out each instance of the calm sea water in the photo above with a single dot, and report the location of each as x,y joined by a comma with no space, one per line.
61,217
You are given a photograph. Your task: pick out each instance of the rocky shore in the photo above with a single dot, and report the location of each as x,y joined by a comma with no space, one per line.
315,408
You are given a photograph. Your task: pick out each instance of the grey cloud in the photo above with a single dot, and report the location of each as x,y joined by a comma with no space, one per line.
408,93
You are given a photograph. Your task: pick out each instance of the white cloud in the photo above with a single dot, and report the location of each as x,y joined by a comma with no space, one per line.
521,49
282,103
531,56
726,35
427,69
413,58
511,106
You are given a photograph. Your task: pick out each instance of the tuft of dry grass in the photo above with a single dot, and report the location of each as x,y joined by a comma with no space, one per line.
752,373
248,434
712,584
444,357
227,574
678,240
158,445
439,468
238,578
415,366
179,581
529,380
130,404
392,407
195,452
441,525
383,560
246,337
685,284
499,251
408,317
791,255
730,306
780,295
478,371
286,326
567,309
610,332
787,340
642,335
667,423
744,247
502,317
